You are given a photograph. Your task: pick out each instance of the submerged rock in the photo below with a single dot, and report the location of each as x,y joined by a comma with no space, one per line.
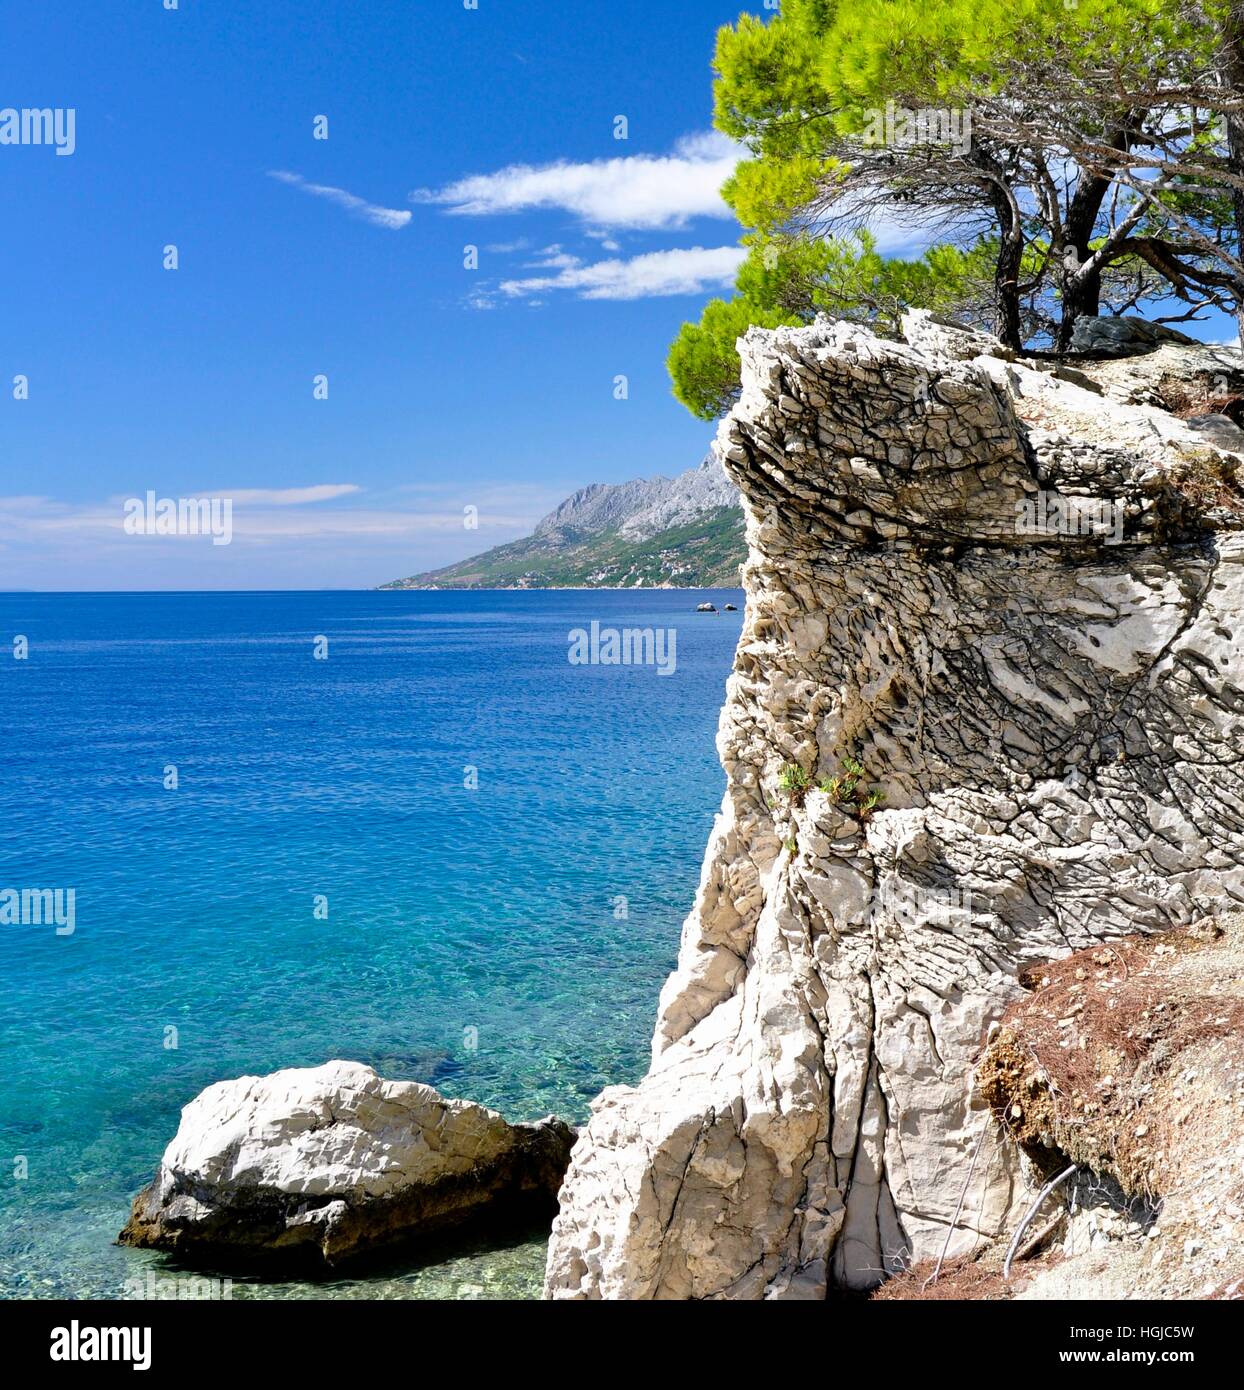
324,1163
1009,603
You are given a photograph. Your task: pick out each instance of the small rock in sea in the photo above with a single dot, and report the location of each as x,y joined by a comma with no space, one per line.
732,607
323,1163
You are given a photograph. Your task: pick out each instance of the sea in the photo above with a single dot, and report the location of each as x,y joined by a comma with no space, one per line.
401,828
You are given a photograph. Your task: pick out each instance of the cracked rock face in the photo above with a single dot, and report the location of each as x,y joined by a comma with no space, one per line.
1009,598
323,1163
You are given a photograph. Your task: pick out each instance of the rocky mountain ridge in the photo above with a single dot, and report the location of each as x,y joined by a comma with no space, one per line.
644,507
681,532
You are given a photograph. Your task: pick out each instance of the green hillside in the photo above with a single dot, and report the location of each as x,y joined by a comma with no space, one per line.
701,554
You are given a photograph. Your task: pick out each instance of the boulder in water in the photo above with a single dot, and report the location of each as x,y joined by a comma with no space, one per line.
324,1163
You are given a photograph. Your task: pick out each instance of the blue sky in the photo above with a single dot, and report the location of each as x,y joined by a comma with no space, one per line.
446,387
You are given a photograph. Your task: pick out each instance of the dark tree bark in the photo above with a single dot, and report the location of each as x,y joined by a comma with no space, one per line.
1006,287
1233,46
1010,247
1081,289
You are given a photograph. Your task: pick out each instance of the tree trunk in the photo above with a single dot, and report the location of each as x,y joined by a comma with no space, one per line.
1233,45
1010,248
1081,295
1081,291
1006,289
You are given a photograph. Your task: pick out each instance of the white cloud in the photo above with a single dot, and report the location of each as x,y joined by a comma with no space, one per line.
392,218
638,191
289,496
553,258
607,242
48,543
267,515
690,271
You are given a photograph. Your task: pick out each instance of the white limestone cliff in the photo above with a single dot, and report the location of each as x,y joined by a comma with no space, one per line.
1054,716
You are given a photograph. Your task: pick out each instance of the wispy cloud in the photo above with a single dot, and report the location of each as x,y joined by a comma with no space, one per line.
690,271
552,258
289,496
607,242
274,515
392,218
636,191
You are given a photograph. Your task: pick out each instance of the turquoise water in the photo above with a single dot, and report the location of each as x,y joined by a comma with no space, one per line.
473,938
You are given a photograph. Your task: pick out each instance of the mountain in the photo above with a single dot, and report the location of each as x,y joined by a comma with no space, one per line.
684,532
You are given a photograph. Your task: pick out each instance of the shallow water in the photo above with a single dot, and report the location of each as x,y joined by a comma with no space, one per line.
505,943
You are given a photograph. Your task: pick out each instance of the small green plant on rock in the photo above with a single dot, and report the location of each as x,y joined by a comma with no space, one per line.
847,789
794,781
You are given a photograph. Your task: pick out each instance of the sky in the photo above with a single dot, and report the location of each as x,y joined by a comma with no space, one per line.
448,387
462,298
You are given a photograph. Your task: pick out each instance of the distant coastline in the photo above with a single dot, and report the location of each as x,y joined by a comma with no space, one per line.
655,533
548,588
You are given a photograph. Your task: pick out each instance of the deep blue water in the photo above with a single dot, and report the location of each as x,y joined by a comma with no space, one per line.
449,909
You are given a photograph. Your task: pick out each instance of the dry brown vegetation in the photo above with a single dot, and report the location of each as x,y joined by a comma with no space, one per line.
1188,398
1206,481
1126,1059
977,1276
1079,1069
